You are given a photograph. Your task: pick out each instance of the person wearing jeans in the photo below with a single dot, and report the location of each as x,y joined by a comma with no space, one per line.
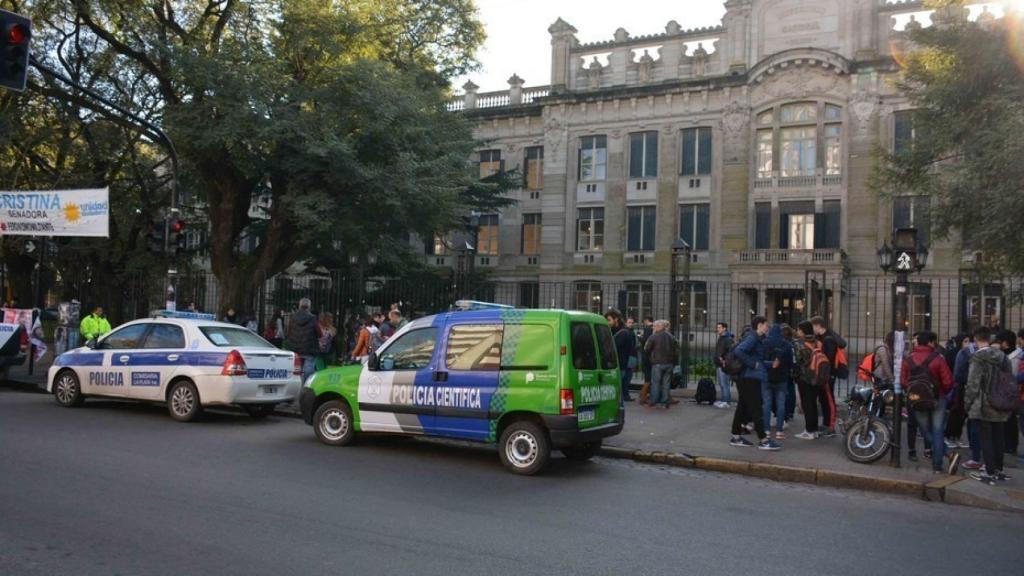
931,421
661,347
773,387
722,347
987,364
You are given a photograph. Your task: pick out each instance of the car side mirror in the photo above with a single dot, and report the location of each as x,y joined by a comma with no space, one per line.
373,362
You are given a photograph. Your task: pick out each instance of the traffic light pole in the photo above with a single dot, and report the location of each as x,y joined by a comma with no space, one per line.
147,128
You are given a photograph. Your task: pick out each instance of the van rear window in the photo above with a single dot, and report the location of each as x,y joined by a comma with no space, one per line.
584,355
609,356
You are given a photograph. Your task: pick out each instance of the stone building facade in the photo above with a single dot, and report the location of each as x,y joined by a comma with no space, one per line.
754,141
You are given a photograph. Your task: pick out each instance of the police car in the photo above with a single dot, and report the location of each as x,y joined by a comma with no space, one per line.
187,360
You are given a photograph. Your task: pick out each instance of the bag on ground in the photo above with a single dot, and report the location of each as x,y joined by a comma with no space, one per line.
705,391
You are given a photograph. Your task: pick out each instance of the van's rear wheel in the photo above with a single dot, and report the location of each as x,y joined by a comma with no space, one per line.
583,452
524,448
333,423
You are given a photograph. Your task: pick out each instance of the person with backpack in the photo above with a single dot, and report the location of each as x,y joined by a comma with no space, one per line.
773,389
988,374
1007,340
303,337
960,372
625,347
811,371
326,341
834,347
927,381
722,346
752,353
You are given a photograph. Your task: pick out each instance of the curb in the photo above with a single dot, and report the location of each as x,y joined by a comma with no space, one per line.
774,472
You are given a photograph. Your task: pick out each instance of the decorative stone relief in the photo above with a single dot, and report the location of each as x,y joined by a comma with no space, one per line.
862,108
796,83
594,74
555,136
646,63
735,119
700,60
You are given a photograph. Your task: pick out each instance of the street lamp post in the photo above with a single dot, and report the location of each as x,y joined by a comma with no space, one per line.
905,256
681,248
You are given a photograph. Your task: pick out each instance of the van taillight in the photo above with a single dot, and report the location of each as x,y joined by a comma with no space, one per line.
568,404
297,369
234,364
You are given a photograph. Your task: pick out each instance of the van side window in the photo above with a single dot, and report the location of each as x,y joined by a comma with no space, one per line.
584,355
474,347
609,355
528,347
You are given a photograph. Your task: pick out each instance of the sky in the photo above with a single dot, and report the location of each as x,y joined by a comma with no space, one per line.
518,40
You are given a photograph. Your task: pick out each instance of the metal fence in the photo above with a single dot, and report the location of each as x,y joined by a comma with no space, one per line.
859,308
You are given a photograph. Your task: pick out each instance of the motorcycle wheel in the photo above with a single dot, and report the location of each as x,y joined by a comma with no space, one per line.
867,440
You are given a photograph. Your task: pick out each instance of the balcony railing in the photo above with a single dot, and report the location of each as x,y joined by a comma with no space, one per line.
818,179
789,257
499,99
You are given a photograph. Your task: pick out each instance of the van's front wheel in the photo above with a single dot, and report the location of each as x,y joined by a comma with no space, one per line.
524,448
583,452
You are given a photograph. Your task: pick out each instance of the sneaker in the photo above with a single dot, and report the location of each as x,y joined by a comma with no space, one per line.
972,465
983,478
768,444
740,441
1003,477
805,435
950,445
830,433
963,444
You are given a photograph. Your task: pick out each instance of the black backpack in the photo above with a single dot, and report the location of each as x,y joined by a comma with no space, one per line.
731,363
705,391
921,389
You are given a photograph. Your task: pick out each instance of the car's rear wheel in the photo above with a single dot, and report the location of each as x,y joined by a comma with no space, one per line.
183,401
333,423
67,390
524,448
259,411
583,452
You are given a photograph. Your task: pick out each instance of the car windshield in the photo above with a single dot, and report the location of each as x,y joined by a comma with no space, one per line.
235,337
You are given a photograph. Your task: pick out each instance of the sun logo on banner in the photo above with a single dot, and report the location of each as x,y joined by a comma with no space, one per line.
72,213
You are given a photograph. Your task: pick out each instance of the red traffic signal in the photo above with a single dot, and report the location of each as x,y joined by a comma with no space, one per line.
16,34
177,226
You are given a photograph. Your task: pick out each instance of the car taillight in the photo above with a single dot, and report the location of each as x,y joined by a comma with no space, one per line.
234,364
297,369
568,403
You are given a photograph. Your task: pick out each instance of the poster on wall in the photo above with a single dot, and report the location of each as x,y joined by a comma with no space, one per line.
56,213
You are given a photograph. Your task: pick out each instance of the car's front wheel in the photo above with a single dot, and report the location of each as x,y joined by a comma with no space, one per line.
333,423
67,390
183,401
524,448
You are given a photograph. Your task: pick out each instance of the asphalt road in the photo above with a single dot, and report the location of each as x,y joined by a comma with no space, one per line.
115,488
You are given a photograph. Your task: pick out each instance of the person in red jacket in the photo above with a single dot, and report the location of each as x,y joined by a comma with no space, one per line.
925,356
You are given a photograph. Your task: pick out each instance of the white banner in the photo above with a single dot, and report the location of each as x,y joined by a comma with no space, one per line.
56,213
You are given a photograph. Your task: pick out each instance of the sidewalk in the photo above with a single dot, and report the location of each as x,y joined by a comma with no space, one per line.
697,436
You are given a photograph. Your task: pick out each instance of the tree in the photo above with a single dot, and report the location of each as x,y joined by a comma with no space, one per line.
966,80
336,110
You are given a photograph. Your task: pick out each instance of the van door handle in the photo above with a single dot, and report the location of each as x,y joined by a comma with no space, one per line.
124,359
440,376
172,358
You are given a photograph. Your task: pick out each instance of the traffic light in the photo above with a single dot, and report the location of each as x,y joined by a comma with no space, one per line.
176,239
15,33
155,235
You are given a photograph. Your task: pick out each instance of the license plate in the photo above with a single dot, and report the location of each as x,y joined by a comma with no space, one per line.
268,390
586,415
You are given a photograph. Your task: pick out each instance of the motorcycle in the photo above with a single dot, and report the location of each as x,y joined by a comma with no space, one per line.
868,432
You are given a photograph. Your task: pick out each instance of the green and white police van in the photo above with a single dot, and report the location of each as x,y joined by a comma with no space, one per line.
529,380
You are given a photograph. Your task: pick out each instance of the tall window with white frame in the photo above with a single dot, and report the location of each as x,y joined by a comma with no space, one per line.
531,234
640,227
695,225
593,158
487,235
490,163
589,229
795,140
643,155
696,145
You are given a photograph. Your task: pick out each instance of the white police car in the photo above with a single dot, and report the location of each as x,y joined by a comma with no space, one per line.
186,362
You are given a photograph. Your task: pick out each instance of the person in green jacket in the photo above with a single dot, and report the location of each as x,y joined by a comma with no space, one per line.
94,325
